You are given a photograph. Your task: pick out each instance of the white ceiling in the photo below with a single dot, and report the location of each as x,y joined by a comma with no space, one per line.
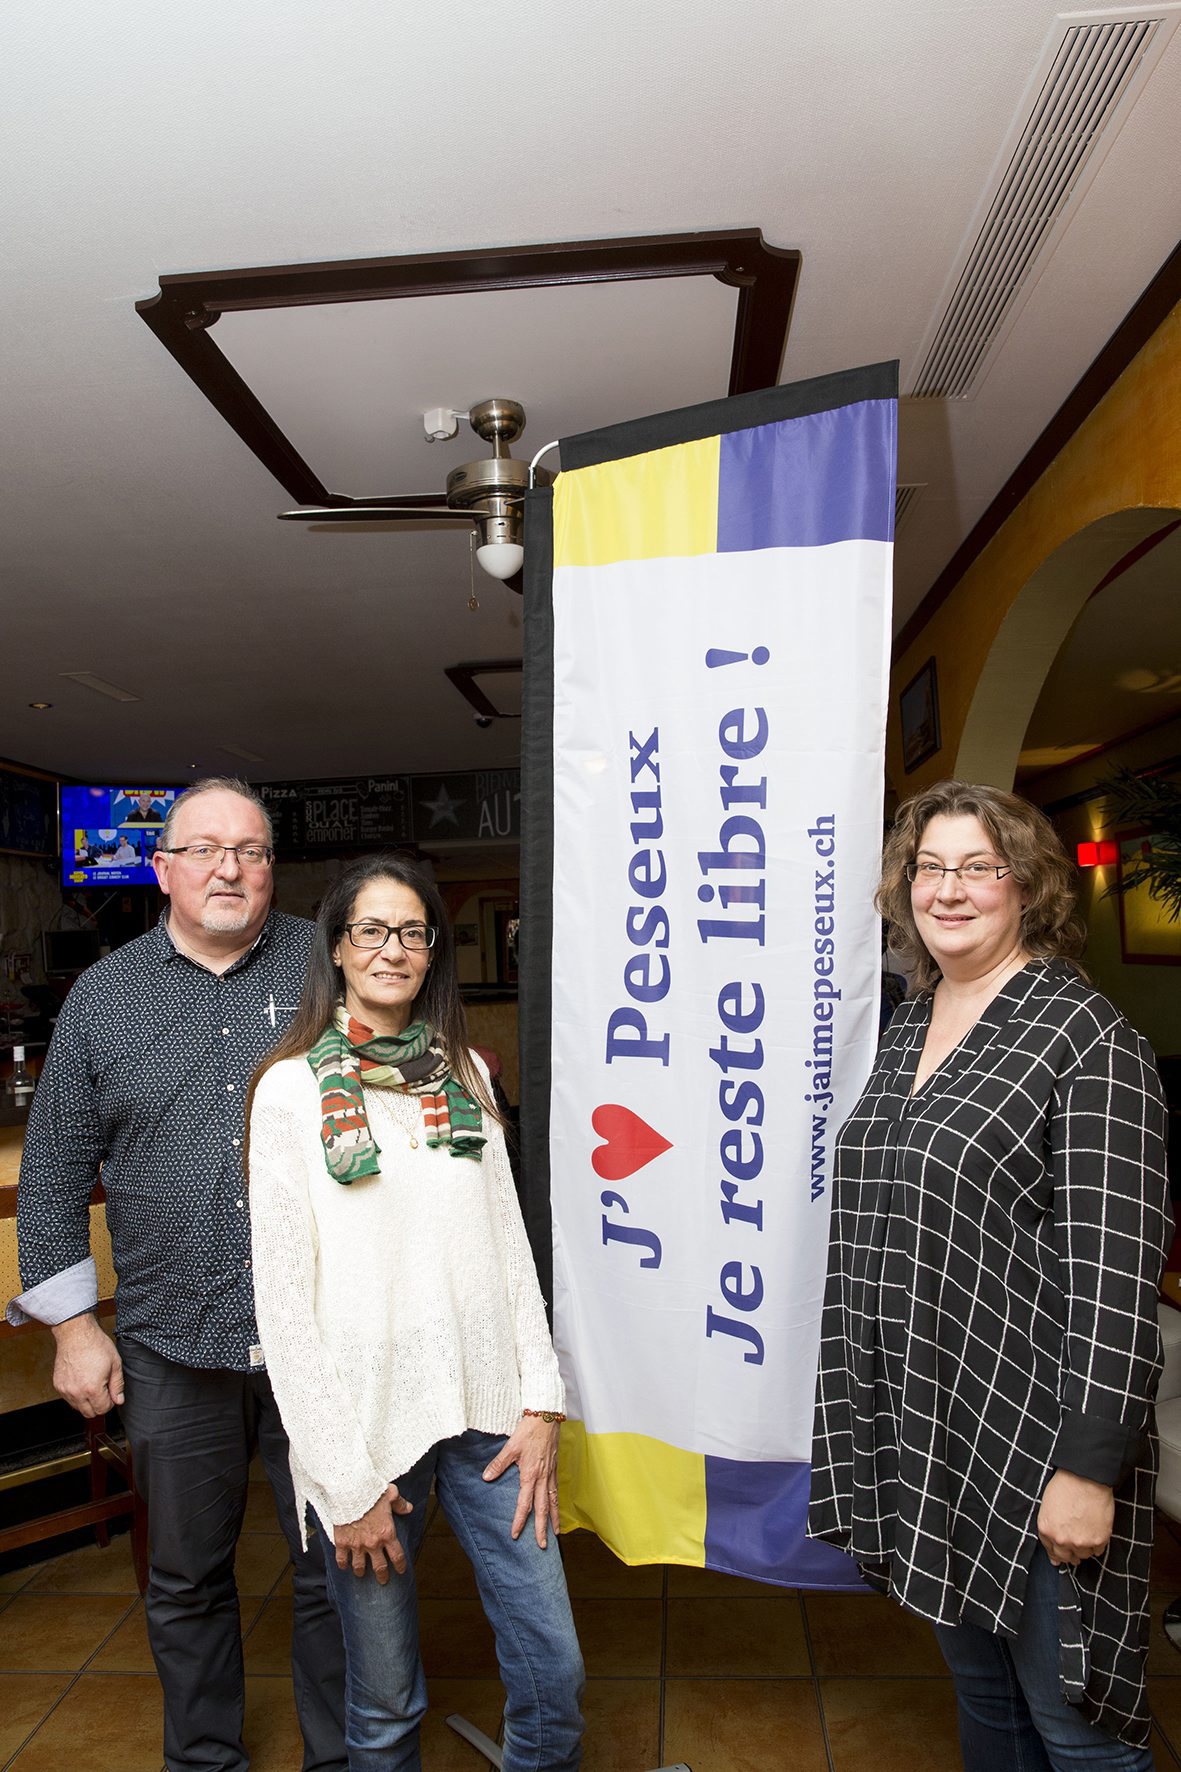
138,535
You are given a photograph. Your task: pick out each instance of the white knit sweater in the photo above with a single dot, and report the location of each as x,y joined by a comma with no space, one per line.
395,1312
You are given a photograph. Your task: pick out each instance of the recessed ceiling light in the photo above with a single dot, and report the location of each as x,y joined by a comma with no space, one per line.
89,681
41,705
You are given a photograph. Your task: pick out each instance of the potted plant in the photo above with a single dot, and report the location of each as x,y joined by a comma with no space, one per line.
1152,802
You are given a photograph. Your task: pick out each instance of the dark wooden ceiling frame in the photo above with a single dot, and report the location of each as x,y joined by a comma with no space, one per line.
464,678
1134,331
189,304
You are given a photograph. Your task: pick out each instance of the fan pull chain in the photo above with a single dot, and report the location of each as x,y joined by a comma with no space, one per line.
473,601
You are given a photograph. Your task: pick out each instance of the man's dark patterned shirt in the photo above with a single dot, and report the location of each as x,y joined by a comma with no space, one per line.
146,1076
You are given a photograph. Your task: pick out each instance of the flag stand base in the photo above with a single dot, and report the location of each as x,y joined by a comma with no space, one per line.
484,1744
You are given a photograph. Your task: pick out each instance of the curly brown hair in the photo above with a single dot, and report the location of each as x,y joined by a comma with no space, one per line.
1051,928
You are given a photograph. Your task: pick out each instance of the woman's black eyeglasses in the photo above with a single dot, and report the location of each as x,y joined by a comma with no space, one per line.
414,937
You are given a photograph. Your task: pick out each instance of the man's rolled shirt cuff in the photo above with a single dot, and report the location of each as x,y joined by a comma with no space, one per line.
1103,1451
64,1295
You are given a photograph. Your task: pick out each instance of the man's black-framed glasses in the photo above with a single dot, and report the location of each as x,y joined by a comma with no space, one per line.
978,873
414,937
201,855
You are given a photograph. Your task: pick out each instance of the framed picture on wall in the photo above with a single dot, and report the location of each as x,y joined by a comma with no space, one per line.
28,812
1148,936
918,706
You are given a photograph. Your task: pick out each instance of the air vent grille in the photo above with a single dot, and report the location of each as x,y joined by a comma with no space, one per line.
1089,76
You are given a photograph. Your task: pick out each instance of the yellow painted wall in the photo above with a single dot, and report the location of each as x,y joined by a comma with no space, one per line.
1127,454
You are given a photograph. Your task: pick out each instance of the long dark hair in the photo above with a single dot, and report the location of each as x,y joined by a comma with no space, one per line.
438,1002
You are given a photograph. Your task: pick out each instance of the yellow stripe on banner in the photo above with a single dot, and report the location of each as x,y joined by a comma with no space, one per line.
645,507
645,1500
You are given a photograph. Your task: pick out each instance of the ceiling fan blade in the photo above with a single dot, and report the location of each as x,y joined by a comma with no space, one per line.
411,500
426,513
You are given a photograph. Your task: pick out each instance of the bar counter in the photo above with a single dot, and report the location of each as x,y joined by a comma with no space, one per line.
26,1354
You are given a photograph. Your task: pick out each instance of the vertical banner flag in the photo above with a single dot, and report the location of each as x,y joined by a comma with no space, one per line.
707,615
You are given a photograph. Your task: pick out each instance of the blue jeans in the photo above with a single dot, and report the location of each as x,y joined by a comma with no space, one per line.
523,1590
1013,1717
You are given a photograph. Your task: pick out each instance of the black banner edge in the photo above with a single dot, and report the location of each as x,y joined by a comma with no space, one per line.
737,412
534,999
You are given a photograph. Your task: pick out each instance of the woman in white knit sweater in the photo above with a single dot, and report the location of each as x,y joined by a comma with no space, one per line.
401,1320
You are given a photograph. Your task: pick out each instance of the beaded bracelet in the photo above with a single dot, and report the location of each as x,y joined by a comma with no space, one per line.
544,1414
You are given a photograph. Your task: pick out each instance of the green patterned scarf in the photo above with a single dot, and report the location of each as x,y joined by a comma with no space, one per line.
348,1055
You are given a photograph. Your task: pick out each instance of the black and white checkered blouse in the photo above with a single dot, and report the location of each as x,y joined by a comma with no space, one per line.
990,1316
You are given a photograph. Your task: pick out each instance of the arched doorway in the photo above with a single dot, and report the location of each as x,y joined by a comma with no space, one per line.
1094,562
1110,700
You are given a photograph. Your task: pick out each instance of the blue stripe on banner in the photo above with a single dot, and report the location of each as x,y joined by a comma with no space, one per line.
754,1525
806,482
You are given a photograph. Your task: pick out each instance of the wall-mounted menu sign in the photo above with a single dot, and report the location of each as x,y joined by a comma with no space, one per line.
369,812
363,813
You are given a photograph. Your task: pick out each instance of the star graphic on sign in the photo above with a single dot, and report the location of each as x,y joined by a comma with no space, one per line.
442,808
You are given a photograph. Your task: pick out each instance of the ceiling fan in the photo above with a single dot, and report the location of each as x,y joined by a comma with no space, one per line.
487,494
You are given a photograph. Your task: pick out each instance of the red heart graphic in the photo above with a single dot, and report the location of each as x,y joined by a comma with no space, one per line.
631,1142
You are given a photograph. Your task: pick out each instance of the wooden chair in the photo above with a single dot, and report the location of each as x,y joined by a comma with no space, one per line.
101,1453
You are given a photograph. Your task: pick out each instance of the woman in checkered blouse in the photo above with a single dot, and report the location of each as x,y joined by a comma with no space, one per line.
984,1439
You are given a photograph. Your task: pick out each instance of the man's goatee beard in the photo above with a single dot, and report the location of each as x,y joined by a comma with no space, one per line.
220,920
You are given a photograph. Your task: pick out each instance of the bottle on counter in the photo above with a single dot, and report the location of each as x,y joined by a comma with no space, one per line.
21,1081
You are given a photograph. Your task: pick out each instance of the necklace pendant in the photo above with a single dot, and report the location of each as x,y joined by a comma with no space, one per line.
413,1142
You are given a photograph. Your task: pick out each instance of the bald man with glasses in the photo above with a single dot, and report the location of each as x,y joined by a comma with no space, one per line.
146,1079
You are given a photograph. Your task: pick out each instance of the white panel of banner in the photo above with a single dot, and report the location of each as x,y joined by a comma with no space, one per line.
716,851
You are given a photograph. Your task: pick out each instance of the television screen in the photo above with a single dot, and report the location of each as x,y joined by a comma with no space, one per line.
68,951
109,834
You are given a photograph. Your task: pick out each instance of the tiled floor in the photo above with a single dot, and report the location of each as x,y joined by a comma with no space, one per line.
682,1666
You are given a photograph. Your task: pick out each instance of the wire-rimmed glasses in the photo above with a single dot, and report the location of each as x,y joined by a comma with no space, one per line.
973,873
203,855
